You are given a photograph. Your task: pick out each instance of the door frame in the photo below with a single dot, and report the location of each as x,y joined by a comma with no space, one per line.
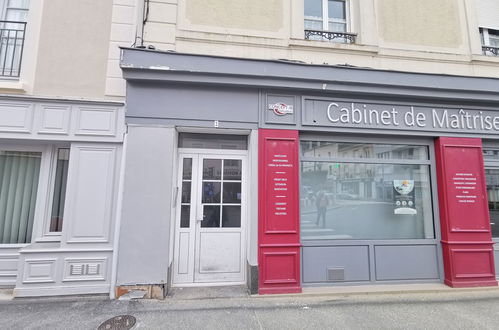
220,153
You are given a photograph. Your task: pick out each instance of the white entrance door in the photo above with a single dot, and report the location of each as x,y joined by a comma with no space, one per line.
209,237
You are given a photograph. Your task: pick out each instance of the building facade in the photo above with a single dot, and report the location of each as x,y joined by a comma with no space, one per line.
61,144
287,144
277,144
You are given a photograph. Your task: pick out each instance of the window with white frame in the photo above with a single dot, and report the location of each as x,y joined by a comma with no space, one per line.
23,179
488,21
13,18
490,41
327,20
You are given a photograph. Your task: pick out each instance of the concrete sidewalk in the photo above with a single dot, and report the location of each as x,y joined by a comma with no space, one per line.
207,309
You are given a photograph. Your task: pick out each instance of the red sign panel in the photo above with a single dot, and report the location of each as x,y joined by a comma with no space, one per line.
466,238
466,194
280,169
278,223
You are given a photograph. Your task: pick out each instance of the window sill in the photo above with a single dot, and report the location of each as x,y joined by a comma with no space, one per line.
11,86
49,239
485,58
13,246
333,45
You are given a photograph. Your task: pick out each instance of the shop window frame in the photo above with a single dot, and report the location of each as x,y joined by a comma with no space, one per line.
492,164
428,142
44,198
45,234
41,195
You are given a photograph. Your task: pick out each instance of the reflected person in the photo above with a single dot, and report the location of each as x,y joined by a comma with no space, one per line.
321,202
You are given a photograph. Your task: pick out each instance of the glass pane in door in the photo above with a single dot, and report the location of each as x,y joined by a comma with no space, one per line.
231,216
185,198
212,169
211,216
211,192
232,169
232,192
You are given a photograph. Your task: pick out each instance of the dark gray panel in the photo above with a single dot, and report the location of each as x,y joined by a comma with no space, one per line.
336,112
163,66
160,101
354,260
274,115
409,262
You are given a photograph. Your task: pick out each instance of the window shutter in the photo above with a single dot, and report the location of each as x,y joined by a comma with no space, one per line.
488,14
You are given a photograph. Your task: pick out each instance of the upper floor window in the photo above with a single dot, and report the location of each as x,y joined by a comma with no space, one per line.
488,21
490,41
327,20
14,14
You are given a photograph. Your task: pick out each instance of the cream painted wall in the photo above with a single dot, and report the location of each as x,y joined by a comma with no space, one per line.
423,22
260,15
419,36
73,48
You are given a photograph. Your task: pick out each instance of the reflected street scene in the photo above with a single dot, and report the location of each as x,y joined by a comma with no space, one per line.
365,191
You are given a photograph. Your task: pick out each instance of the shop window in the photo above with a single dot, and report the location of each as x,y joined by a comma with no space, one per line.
492,178
491,159
19,174
59,194
374,191
25,186
328,20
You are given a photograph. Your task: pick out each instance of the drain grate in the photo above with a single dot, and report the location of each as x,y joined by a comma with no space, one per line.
120,322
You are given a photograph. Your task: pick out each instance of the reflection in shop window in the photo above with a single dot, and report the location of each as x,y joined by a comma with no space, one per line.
492,178
365,200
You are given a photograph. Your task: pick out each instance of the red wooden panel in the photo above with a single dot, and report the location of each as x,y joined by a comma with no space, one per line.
281,267
464,216
278,214
473,263
466,197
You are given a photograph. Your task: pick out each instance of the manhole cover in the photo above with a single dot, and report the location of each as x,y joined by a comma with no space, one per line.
120,322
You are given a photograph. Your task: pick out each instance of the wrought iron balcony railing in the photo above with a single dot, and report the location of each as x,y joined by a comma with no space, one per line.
12,35
343,37
490,50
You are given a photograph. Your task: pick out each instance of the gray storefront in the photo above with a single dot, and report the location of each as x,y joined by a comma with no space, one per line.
367,190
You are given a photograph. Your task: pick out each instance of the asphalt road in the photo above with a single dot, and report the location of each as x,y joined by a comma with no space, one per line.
439,310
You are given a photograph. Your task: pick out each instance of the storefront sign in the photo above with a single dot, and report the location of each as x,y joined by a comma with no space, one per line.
407,117
281,109
403,196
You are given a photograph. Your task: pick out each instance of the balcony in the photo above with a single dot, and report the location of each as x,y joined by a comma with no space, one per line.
11,48
341,37
490,50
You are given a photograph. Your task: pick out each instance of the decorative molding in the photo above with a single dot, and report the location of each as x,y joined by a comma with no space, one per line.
96,121
16,117
61,120
55,119
39,270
